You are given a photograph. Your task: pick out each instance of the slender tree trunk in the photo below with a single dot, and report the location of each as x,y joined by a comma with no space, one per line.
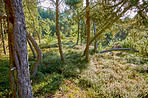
85,31
88,29
33,25
2,35
19,69
82,32
95,44
57,30
1,27
78,33
32,49
39,57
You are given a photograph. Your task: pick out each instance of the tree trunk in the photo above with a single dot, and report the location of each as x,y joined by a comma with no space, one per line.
82,32
2,34
32,49
88,29
78,33
39,57
57,30
19,70
95,44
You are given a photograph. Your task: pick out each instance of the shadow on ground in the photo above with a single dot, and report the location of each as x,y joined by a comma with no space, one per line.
52,71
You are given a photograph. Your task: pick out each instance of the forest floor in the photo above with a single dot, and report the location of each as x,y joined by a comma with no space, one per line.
119,75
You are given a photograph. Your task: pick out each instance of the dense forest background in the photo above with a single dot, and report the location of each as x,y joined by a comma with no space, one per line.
76,48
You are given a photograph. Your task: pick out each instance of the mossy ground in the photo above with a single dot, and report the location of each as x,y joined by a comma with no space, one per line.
105,75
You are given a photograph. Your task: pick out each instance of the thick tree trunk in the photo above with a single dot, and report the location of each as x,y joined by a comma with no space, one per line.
78,33
32,49
39,57
88,29
57,30
95,44
2,35
19,70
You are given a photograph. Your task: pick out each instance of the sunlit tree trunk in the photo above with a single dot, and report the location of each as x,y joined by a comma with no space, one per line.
1,26
32,49
2,35
19,70
57,30
88,29
78,33
95,43
82,32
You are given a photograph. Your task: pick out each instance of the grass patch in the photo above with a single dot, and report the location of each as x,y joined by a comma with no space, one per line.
103,76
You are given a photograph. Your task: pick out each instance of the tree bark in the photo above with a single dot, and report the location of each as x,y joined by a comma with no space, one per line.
78,33
39,57
95,43
2,35
57,30
32,49
88,29
19,69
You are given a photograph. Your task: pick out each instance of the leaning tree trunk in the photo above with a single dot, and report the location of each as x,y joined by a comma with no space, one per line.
39,57
112,18
19,69
57,30
110,22
95,44
88,29
78,33
2,35
32,49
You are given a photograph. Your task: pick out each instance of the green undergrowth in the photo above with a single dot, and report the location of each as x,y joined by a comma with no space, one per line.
104,76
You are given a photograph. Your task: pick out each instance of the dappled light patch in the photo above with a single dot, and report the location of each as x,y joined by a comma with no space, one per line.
105,75
114,76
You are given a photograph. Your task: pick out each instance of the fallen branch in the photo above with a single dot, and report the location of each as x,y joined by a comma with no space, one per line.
119,49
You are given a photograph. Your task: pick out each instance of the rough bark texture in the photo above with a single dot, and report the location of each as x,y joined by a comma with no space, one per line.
57,30
39,57
32,49
95,44
2,35
78,33
88,29
17,40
